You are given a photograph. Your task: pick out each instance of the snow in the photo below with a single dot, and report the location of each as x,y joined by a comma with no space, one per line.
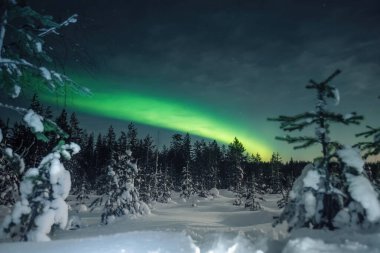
351,157
310,204
214,192
45,73
215,226
336,95
34,121
311,179
362,191
16,91
39,46
348,116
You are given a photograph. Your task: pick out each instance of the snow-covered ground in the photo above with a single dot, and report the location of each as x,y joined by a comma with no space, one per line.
210,225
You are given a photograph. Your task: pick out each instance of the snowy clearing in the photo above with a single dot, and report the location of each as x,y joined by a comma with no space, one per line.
211,225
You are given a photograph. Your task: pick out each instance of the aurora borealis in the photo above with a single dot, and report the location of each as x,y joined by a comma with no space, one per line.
217,69
164,113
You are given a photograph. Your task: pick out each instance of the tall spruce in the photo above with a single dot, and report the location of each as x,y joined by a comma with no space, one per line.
316,200
371,148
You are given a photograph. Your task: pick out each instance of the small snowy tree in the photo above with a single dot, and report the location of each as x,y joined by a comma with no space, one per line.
253,196
165,188
187,187
239,189
82,194
122,197
275,164
42,201
316,197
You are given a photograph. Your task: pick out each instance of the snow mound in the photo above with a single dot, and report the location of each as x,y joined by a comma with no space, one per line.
136,242
214,192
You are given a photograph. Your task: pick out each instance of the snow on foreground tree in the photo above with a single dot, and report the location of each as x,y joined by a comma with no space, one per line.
22,34
323,196
22,53
121,196
42,201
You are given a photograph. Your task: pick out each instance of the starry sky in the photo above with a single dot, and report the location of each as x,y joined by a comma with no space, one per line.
217,68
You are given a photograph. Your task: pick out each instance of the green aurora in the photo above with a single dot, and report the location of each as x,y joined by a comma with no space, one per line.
158,111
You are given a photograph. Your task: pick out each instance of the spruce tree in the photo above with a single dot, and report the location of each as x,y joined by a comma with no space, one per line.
187,187
371,148
121,196
275,180
316,200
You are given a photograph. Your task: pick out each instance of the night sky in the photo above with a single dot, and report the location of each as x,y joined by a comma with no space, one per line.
218,68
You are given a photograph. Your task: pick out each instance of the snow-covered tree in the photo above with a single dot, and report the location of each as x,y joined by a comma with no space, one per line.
82,193
165,187
253,195
121,197
12,167
275,180
42,202
23,54
317,198
24,60
187,187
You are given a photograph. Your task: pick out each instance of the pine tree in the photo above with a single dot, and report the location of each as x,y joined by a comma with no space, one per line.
316,199
132,140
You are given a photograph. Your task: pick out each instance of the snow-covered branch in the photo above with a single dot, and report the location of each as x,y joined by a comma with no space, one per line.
46,31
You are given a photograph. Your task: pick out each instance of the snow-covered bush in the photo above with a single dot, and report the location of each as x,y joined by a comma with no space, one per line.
42,201
214,192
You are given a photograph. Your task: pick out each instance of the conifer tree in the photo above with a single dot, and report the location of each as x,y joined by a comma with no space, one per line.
165,188
12,167
315,199
236,159
187,187
121,196
253,195
370,148
275,164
